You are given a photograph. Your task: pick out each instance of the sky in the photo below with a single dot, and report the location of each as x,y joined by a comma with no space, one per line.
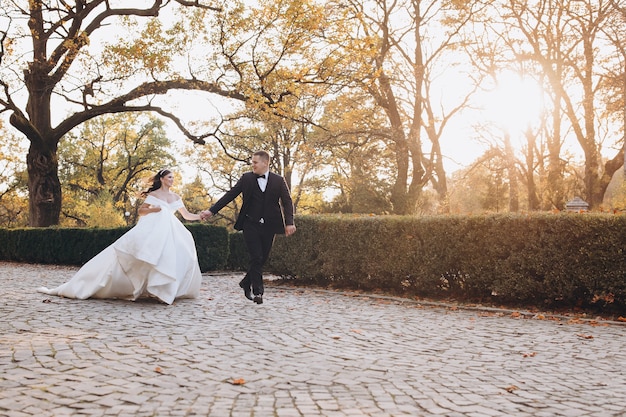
509,106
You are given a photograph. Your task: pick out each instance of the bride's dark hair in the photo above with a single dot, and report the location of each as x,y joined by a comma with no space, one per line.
156,181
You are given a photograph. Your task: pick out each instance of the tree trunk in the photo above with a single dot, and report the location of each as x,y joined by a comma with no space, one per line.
588,139
438,176
556,199
531,187
610,168
44,187
512,175
399,197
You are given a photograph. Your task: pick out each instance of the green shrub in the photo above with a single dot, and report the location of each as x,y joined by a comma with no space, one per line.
238,254
211,245
75,246
547,260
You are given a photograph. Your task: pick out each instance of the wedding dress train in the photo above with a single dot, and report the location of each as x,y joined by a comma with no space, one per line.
155,258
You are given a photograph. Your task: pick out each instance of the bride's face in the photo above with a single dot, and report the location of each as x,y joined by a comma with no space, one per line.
168,180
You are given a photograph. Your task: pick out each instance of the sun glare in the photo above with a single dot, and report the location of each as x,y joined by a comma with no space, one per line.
514,104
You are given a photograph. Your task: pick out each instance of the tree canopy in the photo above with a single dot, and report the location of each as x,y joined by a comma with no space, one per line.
326,87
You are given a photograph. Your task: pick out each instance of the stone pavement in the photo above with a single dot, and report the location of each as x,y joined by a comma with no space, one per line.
301,353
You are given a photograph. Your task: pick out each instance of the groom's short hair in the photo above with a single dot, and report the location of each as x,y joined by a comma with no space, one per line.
262,154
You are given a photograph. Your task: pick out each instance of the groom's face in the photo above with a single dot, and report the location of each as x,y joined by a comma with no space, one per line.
259,165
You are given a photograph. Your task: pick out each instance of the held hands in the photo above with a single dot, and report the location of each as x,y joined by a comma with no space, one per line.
290,230
205,214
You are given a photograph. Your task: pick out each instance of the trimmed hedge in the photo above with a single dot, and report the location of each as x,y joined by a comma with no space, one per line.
238,257
211,245
544,260
547,260
75,246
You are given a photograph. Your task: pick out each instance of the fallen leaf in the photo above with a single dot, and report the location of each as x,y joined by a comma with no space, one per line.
357,331
585,336
239,381
515,314
511,388
158,369
620,318
529,355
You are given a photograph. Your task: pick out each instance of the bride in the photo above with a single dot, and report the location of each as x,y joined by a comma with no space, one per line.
156,258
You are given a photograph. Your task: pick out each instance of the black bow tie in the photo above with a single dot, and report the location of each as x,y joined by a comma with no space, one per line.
261,176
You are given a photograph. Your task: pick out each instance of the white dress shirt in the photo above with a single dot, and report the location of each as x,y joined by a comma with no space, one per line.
263,181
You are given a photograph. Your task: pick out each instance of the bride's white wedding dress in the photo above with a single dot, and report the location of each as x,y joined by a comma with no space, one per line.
155,258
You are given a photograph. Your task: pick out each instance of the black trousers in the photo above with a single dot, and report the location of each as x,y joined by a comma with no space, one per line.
259,240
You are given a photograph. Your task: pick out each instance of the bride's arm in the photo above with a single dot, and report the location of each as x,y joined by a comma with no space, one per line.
188,216
147,209
185,213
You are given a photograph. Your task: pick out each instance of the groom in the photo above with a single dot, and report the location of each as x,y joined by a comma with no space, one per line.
260,218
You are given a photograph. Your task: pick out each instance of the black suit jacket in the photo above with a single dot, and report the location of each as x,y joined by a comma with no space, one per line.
276,196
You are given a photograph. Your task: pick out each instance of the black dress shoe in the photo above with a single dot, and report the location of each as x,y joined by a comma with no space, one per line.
258,299
246,291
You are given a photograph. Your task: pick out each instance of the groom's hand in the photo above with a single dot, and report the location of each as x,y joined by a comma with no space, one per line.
206,214
290,230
